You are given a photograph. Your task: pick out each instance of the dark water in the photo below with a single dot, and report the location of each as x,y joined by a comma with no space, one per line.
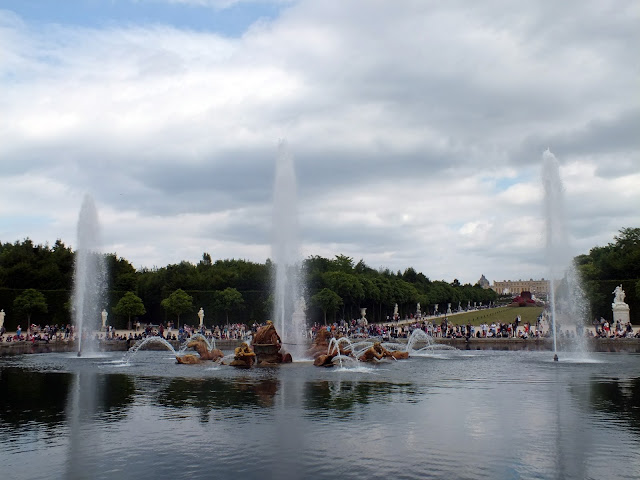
468,415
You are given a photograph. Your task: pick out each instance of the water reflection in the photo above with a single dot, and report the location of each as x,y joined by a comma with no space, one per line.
215,393
94,398
498,415
618,398
340,397
32,396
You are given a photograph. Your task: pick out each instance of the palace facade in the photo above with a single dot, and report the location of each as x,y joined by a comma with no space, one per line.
538,288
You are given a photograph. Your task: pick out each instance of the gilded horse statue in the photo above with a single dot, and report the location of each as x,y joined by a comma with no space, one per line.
199,344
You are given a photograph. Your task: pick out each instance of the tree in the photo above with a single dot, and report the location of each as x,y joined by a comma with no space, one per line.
229,299
346,285
328,301
177,303
30,301
342,263
130,304
206,260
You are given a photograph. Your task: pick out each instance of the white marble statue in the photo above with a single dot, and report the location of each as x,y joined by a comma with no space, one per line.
104,315
363,320
619,308
201,316
2,315
619,295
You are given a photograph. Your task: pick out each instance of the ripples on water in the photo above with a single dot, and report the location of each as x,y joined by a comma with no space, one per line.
452,414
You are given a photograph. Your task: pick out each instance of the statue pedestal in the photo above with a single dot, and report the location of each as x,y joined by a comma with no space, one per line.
620,312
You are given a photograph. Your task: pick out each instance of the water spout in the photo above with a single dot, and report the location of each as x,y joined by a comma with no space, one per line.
90,274
288,319
567,302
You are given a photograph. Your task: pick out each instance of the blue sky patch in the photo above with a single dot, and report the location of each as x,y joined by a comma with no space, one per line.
231,22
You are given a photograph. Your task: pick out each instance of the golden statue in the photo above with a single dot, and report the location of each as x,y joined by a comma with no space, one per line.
378,352
267,335
199,344
243,356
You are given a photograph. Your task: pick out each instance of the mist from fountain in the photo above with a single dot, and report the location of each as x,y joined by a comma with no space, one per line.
418,337
210,344
287,284
335,347
567,299
89,295
143,343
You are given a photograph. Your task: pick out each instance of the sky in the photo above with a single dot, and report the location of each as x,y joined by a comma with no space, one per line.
416,128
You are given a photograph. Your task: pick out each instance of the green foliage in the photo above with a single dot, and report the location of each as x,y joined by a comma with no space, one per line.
50,270
177,303
25,265
229,299
604,268
30,301
327,300
129,305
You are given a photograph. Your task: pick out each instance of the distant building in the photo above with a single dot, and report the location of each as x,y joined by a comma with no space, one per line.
538,288
483,282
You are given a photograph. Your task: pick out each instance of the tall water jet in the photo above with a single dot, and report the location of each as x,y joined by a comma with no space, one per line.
566,299
287,284
90,274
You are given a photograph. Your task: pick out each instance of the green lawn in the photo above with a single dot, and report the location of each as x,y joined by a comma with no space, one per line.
501,314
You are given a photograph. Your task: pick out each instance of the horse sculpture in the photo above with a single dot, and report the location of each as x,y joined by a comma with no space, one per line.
199,344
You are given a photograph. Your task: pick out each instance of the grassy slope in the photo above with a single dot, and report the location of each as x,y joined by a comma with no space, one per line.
502,315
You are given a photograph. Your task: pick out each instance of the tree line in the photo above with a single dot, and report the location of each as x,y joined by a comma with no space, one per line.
604,268
36,283
229,290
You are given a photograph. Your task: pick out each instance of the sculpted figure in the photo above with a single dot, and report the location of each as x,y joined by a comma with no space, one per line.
619,294
324,360
267,335
378,352
398,355
374,352
320,343
188,359
243,356
200,346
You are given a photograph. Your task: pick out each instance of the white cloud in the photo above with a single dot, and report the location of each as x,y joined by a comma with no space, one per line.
417,130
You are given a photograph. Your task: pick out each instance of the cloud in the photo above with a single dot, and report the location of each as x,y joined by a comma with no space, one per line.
417,130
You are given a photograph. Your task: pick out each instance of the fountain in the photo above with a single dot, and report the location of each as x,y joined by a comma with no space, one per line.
567,298
90,274
267,345
286,256
210,345
148,341
419,336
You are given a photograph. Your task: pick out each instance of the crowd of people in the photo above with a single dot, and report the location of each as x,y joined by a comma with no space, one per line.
604,329
356,328
36,333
